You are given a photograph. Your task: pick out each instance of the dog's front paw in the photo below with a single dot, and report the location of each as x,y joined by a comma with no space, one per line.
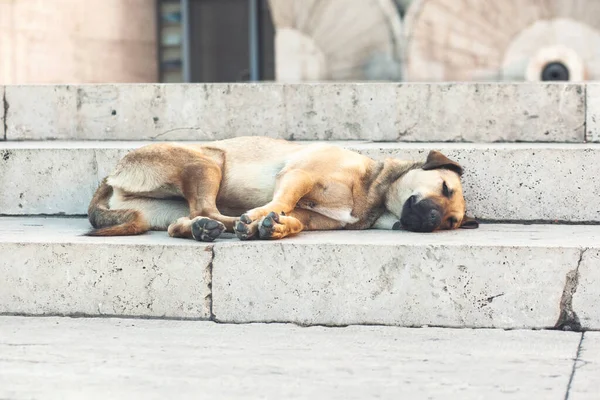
206,229
267,229
245,228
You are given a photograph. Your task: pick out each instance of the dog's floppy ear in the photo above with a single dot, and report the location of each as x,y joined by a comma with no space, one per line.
436,160
469,223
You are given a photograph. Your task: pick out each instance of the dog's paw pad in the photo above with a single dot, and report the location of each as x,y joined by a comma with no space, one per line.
267,226
206,229
245,219
244,231
241,227
267,222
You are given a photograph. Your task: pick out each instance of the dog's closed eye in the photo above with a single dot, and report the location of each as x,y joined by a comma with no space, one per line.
446,191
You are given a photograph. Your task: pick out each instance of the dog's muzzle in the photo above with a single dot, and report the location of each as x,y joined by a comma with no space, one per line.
421,216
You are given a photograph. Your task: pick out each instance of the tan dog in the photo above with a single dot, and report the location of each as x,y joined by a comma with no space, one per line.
272,189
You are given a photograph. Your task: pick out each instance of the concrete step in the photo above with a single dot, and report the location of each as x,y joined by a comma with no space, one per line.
135,359
439,112
503,182
499,276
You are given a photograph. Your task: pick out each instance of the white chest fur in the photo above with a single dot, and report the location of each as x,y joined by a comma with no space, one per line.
339,214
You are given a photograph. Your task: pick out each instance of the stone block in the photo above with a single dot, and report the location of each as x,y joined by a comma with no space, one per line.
145,112
586,298
48,268
325,111
474,112
452,279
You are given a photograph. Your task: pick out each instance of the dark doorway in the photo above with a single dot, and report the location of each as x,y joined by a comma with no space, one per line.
219,41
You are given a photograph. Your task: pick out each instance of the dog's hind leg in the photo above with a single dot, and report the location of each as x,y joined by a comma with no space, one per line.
200,186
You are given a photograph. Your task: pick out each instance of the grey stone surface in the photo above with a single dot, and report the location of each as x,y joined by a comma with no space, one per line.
54,358
48,268
50,179
341,111
37,181
145,112
586,378
508,276
335,111
586,298
507,182
452,279
474,112
593,112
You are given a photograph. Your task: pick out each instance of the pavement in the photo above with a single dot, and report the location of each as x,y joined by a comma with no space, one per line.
103,358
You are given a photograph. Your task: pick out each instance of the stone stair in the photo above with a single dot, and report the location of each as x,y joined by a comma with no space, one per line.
508,182
530,160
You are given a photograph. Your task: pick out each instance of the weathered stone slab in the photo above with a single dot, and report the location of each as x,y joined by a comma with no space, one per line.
498,276
144,112
56,182
593,112
474,112
340,111
323,111
501,276
587,294
54,178
502,182
48,268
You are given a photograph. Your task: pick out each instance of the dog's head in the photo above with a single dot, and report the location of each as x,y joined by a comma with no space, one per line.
430,198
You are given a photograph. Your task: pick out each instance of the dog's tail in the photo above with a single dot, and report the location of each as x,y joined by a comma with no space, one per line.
107,222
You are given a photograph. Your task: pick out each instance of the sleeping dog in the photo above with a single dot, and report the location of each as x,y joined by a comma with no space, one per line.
263,188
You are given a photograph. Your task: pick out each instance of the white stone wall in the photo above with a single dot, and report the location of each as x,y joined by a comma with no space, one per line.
77,41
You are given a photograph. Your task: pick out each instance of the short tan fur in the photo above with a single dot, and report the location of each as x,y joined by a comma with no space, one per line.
262,188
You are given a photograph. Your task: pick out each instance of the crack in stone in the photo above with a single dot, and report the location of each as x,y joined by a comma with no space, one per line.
209,276
568,319
193,128
576,365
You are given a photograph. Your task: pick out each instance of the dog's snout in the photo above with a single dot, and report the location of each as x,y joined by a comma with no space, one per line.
421,216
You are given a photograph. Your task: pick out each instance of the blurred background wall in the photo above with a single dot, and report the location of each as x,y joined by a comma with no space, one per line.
91,41
77,41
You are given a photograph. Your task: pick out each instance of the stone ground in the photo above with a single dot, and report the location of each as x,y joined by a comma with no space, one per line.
66,358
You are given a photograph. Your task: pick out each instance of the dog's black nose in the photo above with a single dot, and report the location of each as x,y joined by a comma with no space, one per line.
434,215
421,216
431,221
